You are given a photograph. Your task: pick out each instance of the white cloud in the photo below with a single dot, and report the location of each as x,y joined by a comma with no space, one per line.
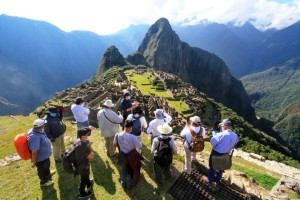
103,16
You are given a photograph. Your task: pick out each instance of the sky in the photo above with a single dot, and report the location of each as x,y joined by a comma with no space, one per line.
109,16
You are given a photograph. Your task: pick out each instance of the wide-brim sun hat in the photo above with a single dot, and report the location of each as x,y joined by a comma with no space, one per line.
164,129
108,103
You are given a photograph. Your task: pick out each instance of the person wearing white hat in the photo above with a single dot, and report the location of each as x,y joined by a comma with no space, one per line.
193,125
40,148
160,118
162,161
109,124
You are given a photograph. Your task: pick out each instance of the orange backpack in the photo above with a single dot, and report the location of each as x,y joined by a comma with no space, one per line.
197,143
21,145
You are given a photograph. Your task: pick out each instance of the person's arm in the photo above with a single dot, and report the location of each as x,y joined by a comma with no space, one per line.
167,118
91,155
154,145
34,158
114,117
173,145
143,122
47,130
149,129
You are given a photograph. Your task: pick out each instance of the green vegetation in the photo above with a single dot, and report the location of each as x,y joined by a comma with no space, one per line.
263,180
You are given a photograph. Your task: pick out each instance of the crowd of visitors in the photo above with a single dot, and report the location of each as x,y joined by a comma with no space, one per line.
123,135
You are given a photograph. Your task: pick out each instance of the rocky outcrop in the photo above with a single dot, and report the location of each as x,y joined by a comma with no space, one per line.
163,49
111,57
137,58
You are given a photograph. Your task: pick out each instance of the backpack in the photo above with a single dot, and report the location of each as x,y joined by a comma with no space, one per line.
68,159
197,143
137,126
164,155
21,144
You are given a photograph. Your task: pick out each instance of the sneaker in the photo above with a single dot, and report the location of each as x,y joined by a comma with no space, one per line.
48,183
52,172
85,195
91,186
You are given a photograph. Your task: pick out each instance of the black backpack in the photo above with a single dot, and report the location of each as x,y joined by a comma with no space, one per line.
164,154
68,160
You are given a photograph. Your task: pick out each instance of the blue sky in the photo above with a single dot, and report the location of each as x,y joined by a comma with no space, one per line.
109,16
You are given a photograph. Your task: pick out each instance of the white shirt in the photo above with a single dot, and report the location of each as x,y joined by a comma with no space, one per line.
106,126
81,114
142,120
156,122
186,133
127,142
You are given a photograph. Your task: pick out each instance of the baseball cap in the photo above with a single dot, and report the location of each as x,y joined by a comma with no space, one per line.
225,122
38,123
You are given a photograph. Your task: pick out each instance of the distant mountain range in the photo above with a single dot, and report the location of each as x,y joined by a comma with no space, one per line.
37,59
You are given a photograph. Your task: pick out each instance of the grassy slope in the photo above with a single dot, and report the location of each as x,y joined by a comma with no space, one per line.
19,180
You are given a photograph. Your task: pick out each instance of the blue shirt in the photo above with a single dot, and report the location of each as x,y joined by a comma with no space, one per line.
38,141
225,141
125,104
127,142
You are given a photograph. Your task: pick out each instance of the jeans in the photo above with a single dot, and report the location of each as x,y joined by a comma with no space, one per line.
43,170
84,180
214,175
124,173
82,124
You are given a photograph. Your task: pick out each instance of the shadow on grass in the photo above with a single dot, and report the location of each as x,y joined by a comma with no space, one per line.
68,185
102,173
49,192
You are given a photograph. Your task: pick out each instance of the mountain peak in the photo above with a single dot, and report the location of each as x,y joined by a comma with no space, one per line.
111,57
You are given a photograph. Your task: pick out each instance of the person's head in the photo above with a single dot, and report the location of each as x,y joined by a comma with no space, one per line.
108,104
126,95
137,111
38,124
195,121
159,113
225,124
83,133
79,100
52,111
128,126
164,129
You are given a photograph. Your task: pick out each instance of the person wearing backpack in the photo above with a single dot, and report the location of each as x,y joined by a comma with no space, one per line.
193,135
163,148
109,124
55,129
83,154
127,145
40,148
139,122
160,118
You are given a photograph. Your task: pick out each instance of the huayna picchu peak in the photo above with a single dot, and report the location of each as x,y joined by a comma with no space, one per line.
163,50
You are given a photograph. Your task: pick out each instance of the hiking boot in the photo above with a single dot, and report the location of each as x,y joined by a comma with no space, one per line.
48,183
91,186
85,195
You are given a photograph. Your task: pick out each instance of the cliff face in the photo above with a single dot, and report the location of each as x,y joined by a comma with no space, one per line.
163,49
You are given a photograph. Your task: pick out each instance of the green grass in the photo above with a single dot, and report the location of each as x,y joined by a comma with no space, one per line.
20,181
143,83
263,180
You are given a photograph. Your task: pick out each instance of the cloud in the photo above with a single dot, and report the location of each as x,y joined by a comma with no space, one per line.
103,17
